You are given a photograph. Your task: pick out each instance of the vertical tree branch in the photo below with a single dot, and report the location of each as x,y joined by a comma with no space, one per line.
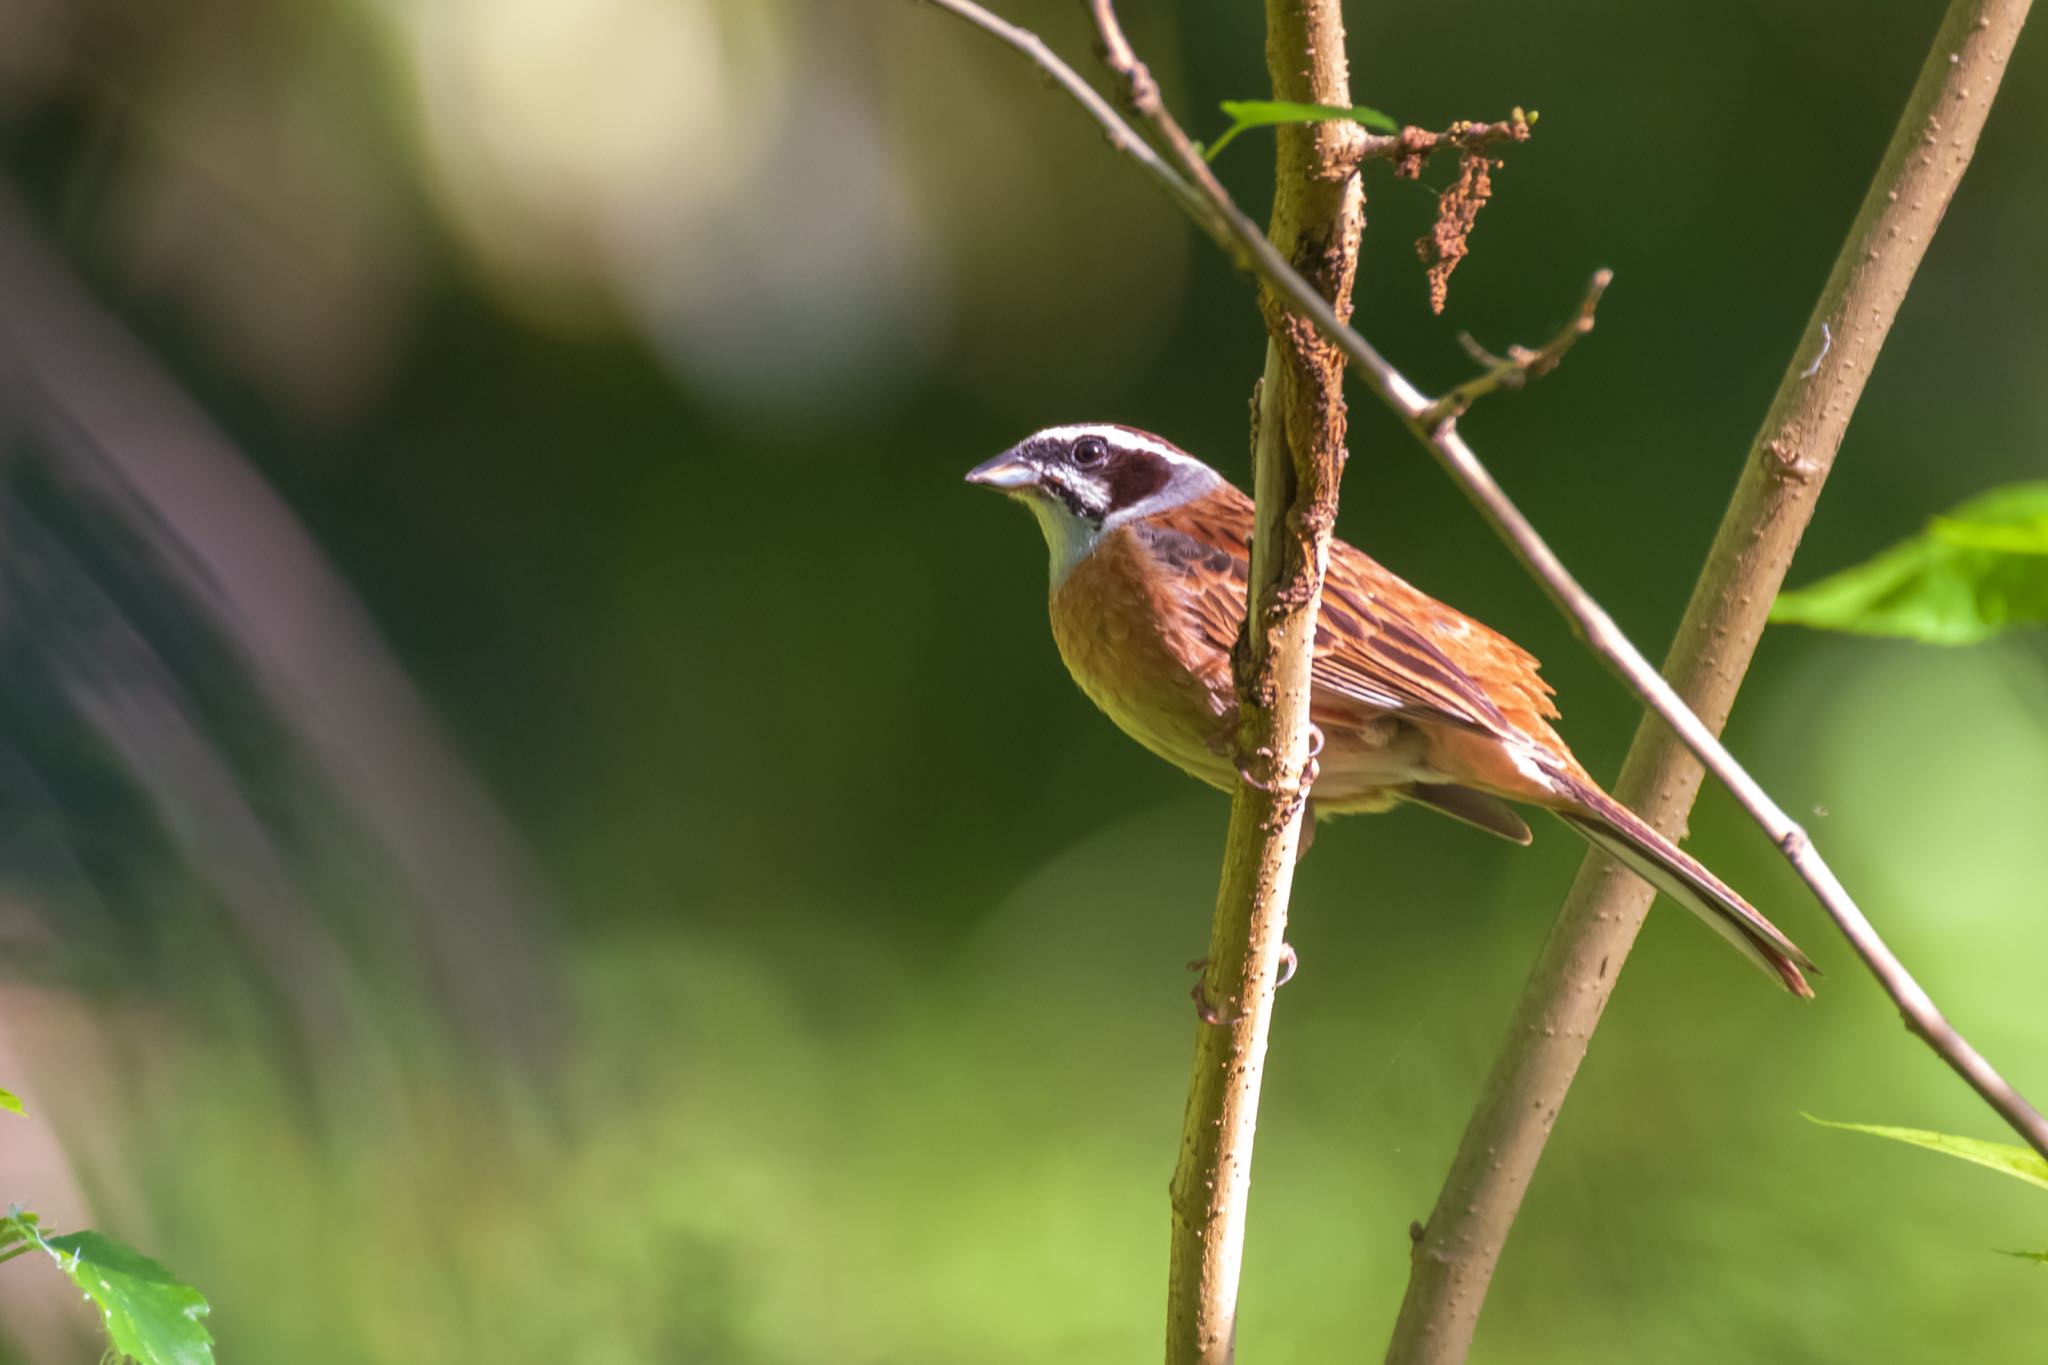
1298,456
1780,484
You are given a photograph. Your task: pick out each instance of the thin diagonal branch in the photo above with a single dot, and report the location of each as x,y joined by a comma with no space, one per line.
1242,239
1781,481
1118,134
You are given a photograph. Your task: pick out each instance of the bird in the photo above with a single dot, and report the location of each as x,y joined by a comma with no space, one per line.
1414,702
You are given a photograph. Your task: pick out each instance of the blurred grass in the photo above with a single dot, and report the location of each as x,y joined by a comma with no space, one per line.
965,1157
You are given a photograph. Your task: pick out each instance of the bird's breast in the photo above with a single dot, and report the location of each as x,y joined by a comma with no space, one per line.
1119,630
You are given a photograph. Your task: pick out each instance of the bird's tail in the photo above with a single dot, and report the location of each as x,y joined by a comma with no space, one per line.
1616,830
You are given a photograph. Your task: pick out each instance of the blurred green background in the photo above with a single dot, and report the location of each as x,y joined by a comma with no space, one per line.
542,822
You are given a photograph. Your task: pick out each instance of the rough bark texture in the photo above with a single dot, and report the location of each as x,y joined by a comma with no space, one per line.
1298,456
1781,481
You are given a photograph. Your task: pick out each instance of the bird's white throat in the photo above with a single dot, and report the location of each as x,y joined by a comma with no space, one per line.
1070,538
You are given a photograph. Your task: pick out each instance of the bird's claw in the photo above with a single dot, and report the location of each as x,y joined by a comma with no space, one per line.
1207,1012
1244,771
1310,768
1290,963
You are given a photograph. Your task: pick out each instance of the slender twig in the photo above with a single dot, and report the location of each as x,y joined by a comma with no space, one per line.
1220,215
1242,238
1298,457
1520,364
1780,485
1118,134
1411,148
1348,144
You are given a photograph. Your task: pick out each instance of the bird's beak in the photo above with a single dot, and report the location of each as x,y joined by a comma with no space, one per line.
1008,471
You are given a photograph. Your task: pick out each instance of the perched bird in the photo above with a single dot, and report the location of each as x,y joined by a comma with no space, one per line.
1414,700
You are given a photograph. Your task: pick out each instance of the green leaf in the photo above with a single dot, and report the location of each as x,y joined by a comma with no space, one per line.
1267,113
16,1233
2021,1163
2041,1256
10,1100
151,1315
1979,570
2026,537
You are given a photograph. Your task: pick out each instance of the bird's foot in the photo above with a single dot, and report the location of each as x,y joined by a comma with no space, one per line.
1310,768
1290,963
1244,770
1207,1012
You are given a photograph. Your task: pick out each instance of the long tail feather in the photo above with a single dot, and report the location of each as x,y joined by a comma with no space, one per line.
1619,832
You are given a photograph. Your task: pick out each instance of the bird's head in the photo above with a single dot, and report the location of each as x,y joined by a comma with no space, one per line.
1083,481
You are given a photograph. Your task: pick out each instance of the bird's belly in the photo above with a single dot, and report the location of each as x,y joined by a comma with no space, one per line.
1121,639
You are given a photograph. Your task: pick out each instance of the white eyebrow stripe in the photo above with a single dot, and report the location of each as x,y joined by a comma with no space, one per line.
1123,436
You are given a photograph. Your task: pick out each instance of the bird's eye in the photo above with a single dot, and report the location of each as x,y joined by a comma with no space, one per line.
1090,451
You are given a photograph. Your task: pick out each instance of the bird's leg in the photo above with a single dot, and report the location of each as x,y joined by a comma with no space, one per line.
1244,770
1310,769
1207,1012
1290,963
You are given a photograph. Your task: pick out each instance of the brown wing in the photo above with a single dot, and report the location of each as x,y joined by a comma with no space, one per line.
1201,554
1380,641
1443,658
